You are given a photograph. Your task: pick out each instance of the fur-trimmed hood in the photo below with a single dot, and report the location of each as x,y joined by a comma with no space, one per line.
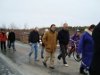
88,31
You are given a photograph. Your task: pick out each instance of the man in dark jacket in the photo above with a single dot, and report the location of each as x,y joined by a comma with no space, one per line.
63,37
34,40
11,40
95,66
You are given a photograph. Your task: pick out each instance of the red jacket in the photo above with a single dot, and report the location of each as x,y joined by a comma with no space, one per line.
3,37
0,36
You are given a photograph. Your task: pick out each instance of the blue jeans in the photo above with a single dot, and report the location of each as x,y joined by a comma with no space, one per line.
11,44
35,50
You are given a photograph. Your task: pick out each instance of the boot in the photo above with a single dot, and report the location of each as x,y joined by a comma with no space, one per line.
82,71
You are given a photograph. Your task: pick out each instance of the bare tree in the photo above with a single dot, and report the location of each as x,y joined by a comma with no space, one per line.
13,26
25,26
3,26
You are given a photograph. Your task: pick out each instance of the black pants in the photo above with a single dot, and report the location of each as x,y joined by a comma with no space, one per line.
93,71
3,46
63,54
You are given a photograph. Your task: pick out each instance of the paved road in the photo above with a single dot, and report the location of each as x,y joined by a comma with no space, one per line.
6,68
21,60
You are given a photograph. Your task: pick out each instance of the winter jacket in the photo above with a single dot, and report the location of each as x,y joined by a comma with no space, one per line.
0,36
50,41
3,37
86,46
11,36
63,37
34,37
95,65
76,38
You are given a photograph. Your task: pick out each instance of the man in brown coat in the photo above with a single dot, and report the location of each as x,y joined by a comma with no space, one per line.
50,42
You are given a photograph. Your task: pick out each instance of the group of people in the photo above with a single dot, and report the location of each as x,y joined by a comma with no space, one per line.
49,42
88,46
7,40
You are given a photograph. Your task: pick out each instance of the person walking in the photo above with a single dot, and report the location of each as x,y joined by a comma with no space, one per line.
95,65
63,37
74,39
11,40
33,41
85,48
50,42
3,38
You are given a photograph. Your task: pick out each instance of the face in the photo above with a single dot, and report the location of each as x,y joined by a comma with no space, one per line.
65,26
53,28
91,30
78,33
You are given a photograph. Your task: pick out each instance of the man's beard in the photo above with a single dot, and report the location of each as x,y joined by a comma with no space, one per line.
53,30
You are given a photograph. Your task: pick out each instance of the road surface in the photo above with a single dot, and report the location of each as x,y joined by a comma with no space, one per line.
26,66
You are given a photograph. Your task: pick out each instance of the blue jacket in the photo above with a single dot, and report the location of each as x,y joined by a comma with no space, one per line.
85,47
76,38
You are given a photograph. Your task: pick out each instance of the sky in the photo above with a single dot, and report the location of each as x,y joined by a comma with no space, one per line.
43,13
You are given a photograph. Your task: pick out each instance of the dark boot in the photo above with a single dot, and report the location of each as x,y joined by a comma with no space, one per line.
51,67
44,63
59,57
82,71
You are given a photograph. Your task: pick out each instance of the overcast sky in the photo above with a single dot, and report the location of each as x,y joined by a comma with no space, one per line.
43,13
